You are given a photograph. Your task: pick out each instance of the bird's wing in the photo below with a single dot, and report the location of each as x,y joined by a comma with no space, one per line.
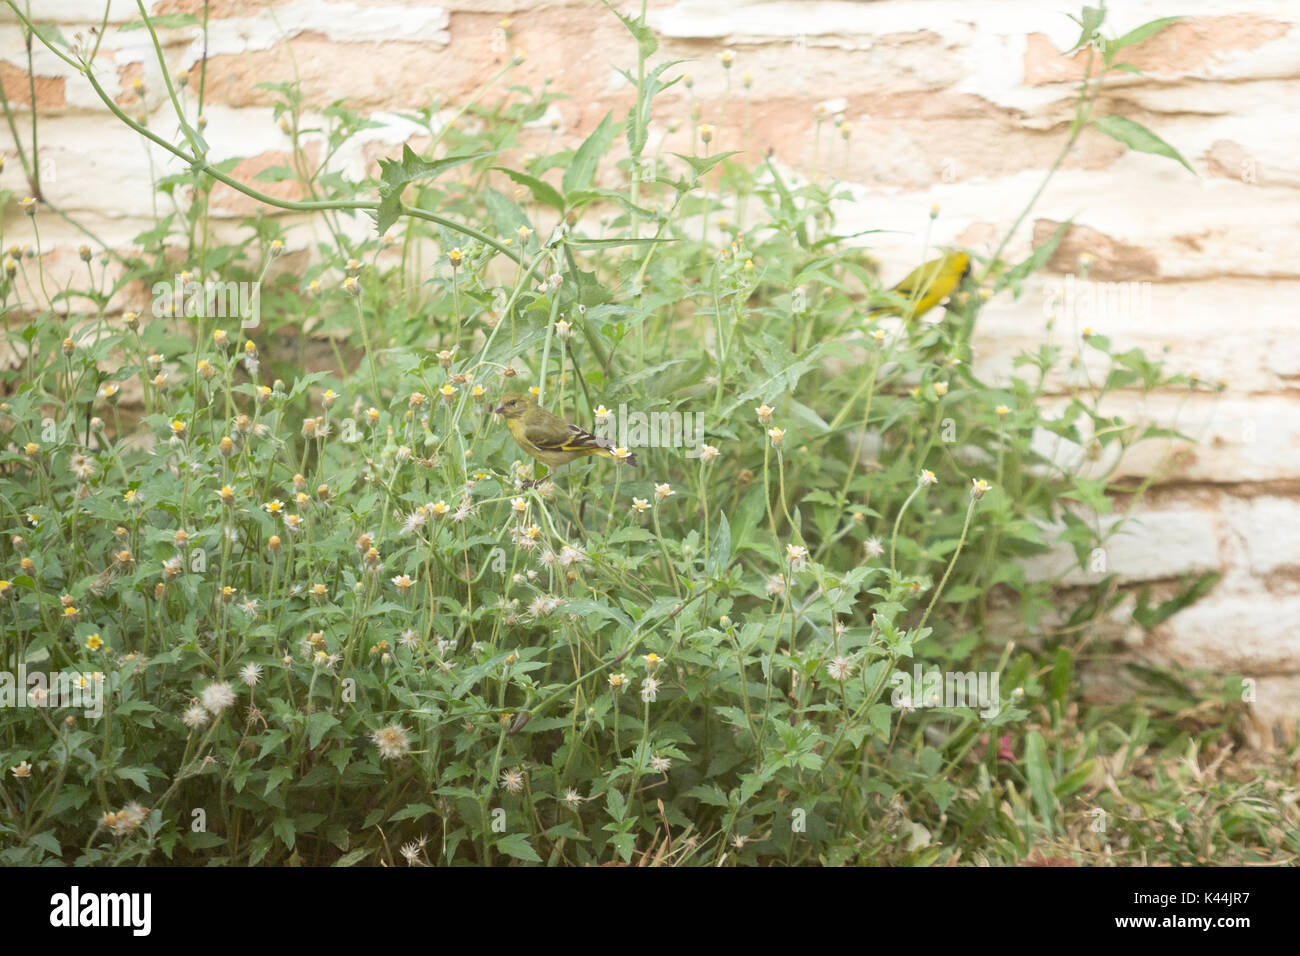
572,438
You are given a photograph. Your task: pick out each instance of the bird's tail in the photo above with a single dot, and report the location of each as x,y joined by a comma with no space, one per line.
599,445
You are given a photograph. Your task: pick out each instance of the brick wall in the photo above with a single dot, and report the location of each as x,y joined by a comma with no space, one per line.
964,103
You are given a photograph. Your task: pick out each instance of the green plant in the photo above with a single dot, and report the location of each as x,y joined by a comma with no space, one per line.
333,626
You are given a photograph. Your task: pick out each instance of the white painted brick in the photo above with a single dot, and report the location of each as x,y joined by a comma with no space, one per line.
1268,528
1237,632
1152,546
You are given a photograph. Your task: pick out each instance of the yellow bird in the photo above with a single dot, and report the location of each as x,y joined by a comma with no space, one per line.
549,438
926,286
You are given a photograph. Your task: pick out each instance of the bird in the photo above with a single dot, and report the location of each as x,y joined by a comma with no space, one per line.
549,438
926,286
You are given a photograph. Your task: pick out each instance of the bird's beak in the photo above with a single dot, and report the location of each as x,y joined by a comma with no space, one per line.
499,410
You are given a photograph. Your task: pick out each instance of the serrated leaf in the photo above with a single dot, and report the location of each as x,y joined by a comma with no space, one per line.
702,164
318,725
582,169
646,42
395,175
517,846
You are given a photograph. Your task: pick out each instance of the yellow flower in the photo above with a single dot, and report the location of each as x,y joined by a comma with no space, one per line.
93,643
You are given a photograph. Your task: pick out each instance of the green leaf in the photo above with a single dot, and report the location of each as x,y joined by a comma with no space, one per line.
394,177
1138,137
702,164
809,419
284,829
542,192
1138,34
1040,778
412,811
720,555
165,21
317,726
615,243
1037,259
354,857
646,42
394,174
1075,779
517,846
1090,19
136,776
615,805
582,169
1062,672
389,211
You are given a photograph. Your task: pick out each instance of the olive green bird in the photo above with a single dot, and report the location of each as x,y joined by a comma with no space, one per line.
926,286
549,438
